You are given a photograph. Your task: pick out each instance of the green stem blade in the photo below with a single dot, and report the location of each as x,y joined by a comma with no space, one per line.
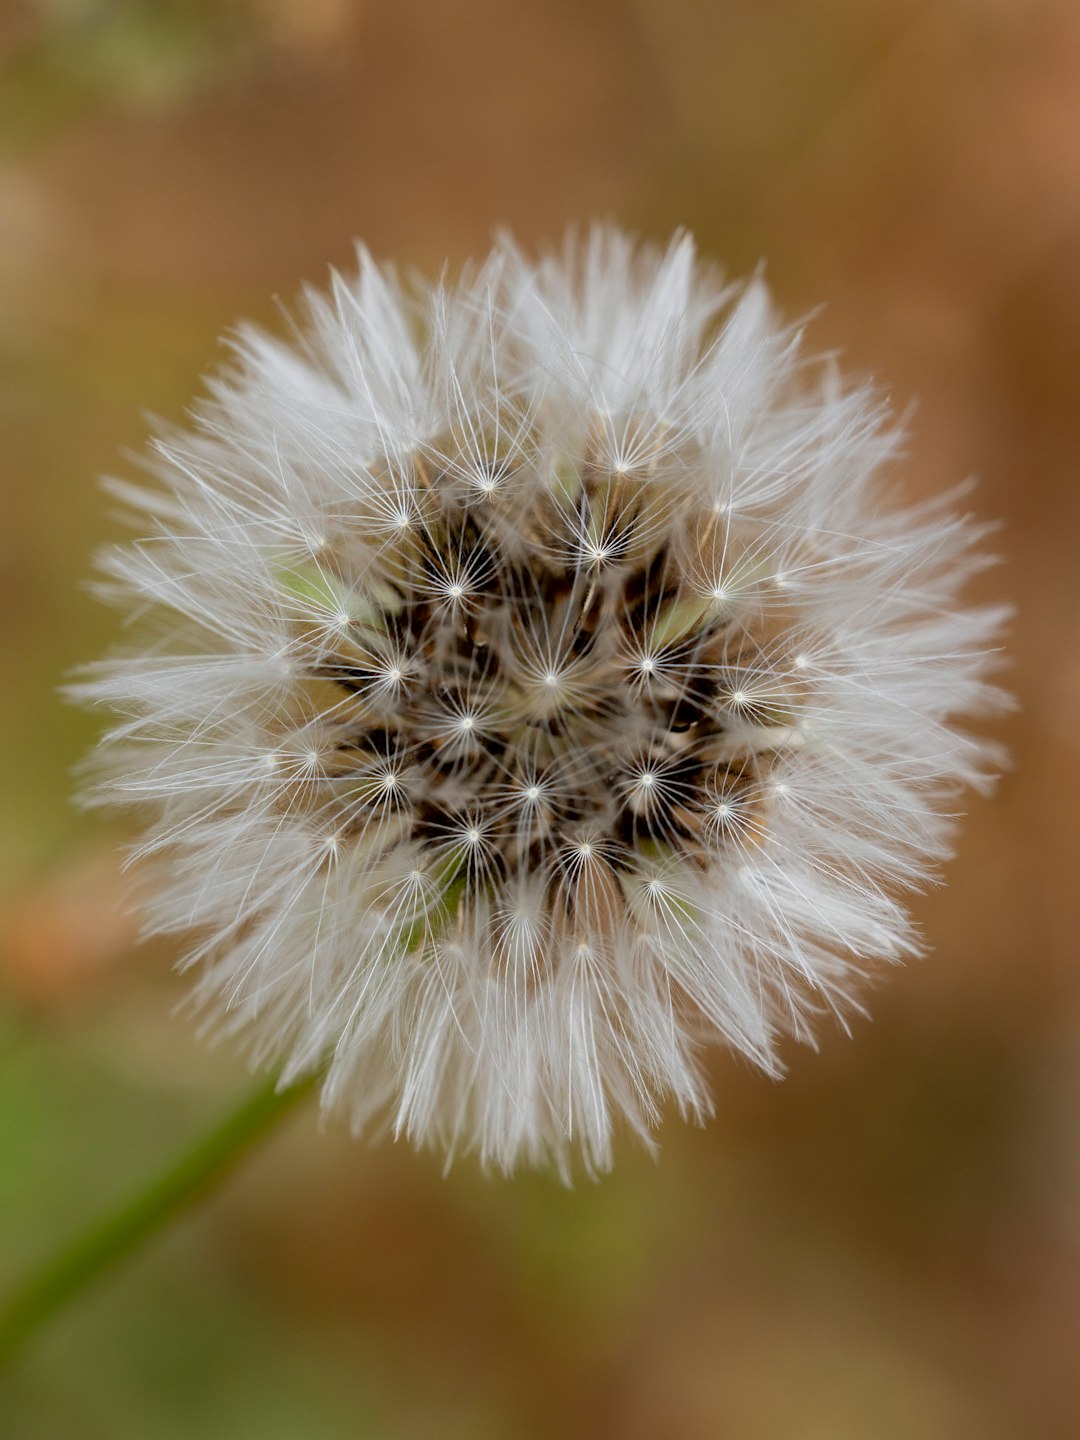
116,1235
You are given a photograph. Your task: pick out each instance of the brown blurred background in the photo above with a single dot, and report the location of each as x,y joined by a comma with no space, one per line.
886,1246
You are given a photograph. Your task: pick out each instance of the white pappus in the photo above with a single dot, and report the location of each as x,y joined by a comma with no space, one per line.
534,684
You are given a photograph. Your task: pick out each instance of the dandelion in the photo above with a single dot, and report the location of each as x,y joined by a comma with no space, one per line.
534,686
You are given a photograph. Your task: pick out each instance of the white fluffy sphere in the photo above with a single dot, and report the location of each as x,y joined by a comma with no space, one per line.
534,683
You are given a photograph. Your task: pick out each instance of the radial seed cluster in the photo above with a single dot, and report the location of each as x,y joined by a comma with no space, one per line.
531,687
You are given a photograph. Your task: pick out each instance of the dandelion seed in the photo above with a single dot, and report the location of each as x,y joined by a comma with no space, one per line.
538,689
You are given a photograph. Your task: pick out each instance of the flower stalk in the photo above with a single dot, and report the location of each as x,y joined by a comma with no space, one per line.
109,1240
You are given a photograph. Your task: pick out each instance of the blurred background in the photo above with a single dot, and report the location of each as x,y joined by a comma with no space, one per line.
888,1244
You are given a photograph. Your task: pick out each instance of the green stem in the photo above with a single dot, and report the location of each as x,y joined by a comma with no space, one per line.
113,1237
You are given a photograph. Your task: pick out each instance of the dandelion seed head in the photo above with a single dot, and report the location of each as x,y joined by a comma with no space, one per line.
546,691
